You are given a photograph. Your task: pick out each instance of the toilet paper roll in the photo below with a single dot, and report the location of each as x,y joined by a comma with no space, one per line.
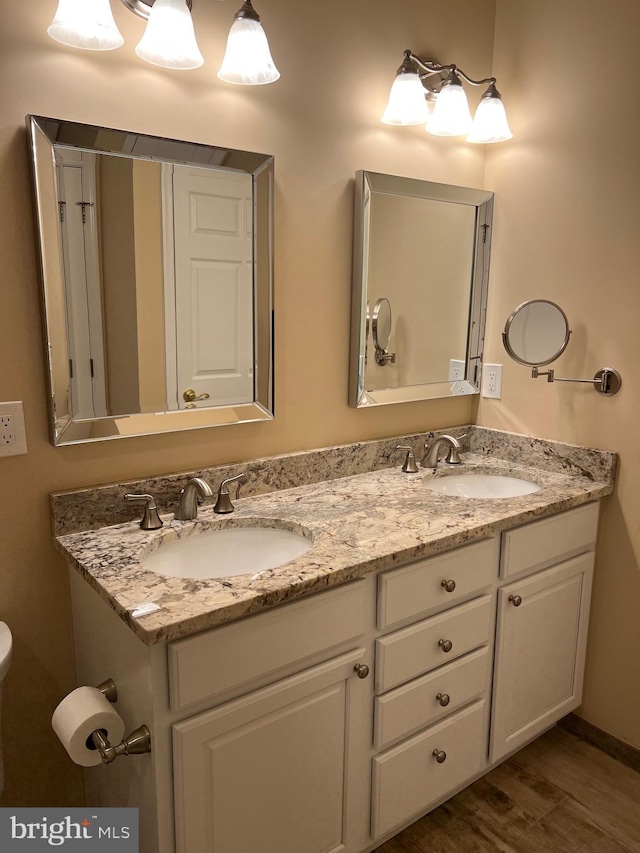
78,715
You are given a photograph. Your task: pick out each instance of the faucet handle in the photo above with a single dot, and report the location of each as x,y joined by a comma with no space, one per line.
223,503
409,466
453,454
150,520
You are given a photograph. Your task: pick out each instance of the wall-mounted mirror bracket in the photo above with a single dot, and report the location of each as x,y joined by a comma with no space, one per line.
607,381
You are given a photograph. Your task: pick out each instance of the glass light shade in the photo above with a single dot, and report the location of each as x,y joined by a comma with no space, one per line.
87,24
451,116
169,39
247,59
407,104
490,123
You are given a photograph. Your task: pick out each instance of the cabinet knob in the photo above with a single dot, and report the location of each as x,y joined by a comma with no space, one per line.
448,585
440,755
516,600
445,645
361,670
443,699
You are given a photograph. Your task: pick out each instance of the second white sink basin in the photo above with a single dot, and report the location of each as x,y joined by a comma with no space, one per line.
482,486
228,552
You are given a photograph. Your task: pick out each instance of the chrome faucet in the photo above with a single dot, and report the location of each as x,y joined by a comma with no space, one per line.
188,506
432,451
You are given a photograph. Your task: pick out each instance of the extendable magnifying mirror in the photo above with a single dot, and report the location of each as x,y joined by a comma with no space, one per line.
537,333
381,331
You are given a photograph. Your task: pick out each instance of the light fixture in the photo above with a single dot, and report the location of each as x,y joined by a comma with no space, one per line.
407,104
490,123
169,39
247,59
451,116
87,24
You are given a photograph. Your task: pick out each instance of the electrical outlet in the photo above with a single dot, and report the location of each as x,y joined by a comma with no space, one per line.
13,440
492,381
456,369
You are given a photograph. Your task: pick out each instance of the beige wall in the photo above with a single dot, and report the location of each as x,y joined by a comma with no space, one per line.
119,294
320,121
566,228
147,225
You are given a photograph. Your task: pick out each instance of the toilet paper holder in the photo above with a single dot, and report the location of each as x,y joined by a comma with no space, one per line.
137,743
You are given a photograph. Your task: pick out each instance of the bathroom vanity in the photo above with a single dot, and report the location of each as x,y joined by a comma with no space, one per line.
325,705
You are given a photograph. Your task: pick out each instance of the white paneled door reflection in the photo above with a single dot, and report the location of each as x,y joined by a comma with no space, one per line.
213,246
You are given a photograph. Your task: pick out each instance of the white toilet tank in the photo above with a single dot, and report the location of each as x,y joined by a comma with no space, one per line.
6,643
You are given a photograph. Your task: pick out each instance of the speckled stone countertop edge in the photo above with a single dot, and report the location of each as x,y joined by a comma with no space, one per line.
360,524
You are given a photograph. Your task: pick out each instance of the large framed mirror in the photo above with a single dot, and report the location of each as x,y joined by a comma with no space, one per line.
157,281
421,250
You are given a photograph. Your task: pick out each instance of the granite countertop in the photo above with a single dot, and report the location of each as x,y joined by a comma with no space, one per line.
358,524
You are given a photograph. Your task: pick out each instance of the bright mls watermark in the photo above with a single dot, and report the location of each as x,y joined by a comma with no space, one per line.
80,830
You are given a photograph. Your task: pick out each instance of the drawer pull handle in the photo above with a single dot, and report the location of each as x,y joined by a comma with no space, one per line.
449,586
516,600
443,699
361,670
445,645
440,755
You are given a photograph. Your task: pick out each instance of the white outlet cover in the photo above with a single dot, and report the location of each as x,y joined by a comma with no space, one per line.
492,381
18,447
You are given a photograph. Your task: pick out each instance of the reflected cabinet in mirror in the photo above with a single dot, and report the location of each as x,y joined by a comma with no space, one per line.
421,267
157,271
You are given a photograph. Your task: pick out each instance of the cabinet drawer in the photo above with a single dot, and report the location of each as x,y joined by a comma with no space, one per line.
415,589
543,543
415,705
216,661
408,778
415,650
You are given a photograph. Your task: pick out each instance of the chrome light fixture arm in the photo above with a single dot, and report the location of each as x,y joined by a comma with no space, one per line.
429,68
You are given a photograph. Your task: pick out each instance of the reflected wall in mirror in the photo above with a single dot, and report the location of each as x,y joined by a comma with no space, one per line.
423,248
157,272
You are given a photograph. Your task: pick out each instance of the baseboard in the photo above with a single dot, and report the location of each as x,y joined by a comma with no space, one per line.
618,749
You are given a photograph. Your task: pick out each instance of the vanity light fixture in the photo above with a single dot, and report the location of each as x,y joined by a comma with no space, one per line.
169,39
410,97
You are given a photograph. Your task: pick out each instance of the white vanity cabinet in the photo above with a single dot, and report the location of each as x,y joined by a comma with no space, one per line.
275,770
280,767
542,624
329,723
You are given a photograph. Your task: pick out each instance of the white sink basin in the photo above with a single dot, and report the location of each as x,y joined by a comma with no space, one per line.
228,552
482,486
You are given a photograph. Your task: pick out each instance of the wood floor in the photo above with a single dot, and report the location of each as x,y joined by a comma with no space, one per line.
558,795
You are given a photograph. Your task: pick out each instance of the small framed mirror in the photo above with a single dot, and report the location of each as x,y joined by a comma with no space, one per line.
421,259
536,333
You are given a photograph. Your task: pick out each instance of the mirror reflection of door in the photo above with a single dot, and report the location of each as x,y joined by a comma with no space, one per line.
76,177
130,289
213,261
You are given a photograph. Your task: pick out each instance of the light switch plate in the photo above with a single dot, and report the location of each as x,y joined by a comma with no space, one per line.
492,381
13,439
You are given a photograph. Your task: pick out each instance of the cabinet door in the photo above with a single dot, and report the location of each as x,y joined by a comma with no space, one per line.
282,769
540,651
